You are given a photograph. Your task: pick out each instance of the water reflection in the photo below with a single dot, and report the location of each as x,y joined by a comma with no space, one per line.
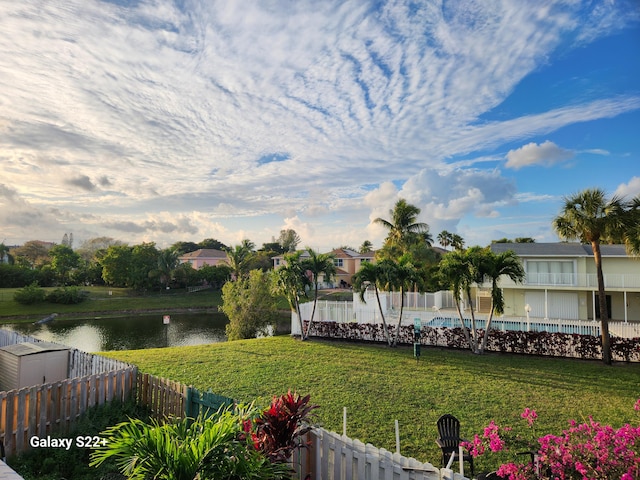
130,333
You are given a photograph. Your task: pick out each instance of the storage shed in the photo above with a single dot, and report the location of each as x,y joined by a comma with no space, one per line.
27,364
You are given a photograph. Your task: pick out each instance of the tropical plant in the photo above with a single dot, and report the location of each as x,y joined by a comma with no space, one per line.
30,294
493,267
591,218
583,451
457,242
187,449
278,429
403,227
167,263
291,281
314,265
445,238
366,247
461,269
238,258
373,275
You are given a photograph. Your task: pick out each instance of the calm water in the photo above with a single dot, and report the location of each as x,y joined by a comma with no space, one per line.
130,333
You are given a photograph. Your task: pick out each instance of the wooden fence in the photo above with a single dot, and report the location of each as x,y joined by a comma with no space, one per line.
335,457
164,398
41,410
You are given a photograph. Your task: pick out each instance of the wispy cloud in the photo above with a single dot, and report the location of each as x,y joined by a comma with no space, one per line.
243,109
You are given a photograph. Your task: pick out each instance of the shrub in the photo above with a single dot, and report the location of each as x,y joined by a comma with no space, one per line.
30,294
67,295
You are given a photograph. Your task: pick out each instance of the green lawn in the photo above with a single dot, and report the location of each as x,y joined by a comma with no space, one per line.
99,300
378,385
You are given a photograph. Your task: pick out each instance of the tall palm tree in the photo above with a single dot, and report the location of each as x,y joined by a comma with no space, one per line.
238,258
373,275
167,263
366,247
457,242
445,238
404,277
590,217
291,281
457,270
317,264
403,227
495,266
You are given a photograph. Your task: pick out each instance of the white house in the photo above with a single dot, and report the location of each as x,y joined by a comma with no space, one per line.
561,282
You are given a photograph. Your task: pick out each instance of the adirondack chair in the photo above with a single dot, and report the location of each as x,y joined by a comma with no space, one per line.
449,440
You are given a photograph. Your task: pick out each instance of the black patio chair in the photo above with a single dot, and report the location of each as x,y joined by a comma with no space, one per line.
449,440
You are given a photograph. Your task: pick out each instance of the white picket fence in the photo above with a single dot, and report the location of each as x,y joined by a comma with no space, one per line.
346,312
331,456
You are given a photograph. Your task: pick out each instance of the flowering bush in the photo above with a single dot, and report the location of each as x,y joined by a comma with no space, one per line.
586,451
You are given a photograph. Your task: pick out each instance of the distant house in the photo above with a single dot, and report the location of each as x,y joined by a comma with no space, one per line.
204,256
347,262
561,282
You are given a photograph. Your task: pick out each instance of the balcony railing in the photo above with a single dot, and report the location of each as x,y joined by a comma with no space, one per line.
582,280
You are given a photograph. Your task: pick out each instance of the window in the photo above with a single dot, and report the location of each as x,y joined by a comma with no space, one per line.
338,262
277,261
558,272
364,260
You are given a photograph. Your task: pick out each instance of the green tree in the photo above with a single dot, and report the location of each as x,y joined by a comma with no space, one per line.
445,238
250,305
403,227
457,242
289,240
379,276
591,218
211,243
33,253
116,262
167,263
459,269
144,260
493,267
63,261
291,281
403,276
239,258
315,265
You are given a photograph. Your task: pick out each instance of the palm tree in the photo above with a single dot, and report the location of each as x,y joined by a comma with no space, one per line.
372,275
167,263
238,258
445,238
291,281
403,227
404,277
590,217
494,266
457,242
317,264
457,270
366,247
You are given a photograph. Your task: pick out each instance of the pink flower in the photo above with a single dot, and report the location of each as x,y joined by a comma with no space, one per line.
529,415
637,406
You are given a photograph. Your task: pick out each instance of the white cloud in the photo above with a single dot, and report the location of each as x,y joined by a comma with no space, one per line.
630,189
156,106
546,154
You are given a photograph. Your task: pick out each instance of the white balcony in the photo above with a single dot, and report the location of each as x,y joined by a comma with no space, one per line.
577,280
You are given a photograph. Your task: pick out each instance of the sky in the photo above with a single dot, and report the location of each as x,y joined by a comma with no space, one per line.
164,121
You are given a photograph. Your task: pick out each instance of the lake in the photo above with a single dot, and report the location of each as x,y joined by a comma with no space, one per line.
133,332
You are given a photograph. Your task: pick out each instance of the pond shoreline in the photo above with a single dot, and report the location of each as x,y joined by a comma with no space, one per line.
108,314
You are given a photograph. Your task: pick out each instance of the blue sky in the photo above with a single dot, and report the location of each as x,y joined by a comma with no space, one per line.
164,121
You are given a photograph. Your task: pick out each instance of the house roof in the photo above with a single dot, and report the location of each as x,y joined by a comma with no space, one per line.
557,249
347,253
204,253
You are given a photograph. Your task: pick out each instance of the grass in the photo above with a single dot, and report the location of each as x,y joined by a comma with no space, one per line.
378,385
99,300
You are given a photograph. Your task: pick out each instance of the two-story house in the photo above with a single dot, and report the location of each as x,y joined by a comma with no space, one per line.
561,282
204,256
347,263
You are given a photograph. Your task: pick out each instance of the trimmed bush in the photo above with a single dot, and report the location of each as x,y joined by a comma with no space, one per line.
67,295
30,294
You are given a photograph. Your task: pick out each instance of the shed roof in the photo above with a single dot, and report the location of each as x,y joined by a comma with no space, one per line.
29,348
